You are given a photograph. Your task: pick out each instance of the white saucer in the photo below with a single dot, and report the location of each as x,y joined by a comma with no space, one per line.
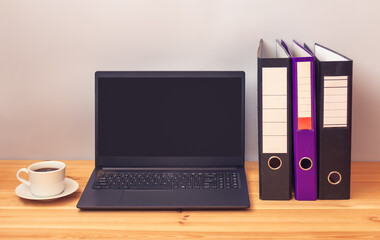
23,191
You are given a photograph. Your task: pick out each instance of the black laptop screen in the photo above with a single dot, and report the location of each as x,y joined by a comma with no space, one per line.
172,116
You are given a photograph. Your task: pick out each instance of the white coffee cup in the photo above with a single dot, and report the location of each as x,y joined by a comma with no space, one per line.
45,178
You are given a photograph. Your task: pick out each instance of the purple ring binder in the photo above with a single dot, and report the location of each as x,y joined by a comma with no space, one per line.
304,123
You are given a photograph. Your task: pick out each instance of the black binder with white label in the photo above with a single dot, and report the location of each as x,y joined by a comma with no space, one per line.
275,124
334,109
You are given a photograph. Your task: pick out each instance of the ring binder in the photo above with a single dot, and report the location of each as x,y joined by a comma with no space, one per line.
274,107
304,123
334,108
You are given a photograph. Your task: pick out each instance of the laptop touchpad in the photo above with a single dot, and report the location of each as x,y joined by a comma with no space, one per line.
146,197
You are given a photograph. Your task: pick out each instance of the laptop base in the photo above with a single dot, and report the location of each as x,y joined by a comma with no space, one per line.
175,199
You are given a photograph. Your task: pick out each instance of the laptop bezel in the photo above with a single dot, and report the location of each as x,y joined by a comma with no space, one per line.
171,161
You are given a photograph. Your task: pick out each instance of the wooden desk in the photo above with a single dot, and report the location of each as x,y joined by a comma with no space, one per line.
357,218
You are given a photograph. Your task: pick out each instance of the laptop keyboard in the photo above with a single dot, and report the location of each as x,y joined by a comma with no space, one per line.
167,180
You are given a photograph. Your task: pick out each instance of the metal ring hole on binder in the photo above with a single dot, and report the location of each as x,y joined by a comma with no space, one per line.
305,163
334,177
274,163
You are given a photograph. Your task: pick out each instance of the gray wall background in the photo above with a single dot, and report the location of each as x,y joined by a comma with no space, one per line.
49,51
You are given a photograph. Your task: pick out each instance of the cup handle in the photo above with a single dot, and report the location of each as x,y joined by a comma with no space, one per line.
20,178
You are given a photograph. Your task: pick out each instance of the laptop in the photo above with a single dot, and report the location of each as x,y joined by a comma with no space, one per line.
168,140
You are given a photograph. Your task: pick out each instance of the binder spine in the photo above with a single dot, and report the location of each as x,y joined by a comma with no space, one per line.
304,129
274,128
334,84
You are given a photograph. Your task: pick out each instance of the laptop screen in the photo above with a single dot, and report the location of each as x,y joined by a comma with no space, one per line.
169,116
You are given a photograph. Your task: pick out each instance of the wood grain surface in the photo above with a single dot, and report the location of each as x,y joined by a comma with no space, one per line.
357,218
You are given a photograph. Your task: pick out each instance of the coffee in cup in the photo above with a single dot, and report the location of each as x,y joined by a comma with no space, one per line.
46,178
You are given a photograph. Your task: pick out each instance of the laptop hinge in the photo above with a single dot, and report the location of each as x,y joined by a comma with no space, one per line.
167,168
